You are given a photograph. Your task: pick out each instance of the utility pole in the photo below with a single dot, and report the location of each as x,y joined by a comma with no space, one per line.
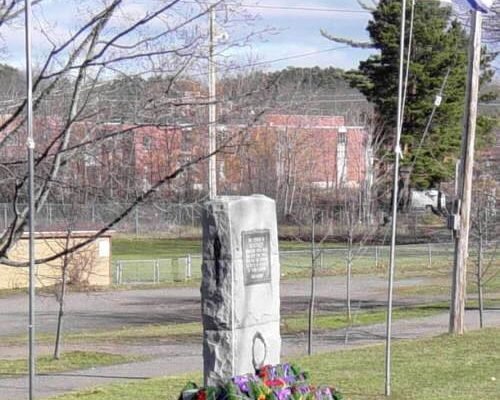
395,199
212,111
30,145
458,290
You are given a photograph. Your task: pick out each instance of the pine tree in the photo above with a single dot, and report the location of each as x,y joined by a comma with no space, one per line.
438,59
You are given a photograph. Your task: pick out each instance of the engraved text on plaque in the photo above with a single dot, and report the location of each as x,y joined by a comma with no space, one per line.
256,256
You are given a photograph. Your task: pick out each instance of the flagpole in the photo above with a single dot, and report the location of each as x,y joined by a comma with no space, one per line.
212,109
30,144
395,196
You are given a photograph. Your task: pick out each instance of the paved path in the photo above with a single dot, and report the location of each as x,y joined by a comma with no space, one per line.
181,358
121,308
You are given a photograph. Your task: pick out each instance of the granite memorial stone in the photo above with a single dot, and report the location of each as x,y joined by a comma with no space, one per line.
240,286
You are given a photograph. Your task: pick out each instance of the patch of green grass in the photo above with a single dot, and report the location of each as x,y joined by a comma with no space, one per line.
442,368
187,331
337,321
67,362
127,334
441,287
145,332
447,367
424,290
149,248
151,389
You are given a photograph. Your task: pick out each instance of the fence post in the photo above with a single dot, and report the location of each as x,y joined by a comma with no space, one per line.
429,250
119,273
136,220
156,271
376,256
188,267
49,212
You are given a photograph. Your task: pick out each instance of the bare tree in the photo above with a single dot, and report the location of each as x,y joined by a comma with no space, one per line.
61,295
483,227
118,72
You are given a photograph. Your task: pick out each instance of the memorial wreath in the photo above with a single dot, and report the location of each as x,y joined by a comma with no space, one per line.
270,382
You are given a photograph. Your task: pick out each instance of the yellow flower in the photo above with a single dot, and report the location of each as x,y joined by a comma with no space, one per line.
262,397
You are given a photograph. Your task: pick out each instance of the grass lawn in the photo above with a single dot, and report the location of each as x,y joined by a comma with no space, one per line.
446,367
412,260
291,324
67,362
296,324
130,248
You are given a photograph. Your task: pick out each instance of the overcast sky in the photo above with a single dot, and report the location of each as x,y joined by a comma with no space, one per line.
300,32
297,30
297,41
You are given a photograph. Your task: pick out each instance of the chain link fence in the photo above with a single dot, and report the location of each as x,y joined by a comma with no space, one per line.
436,258
145,218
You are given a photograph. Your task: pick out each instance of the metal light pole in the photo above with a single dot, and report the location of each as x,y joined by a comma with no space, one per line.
212,112
395,197
458,290
30,144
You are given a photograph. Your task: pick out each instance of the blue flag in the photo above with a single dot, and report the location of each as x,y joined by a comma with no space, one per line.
481,5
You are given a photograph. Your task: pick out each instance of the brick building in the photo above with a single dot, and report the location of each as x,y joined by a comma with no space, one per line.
314,151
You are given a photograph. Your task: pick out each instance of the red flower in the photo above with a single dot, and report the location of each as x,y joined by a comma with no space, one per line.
201,395
264,372
275,383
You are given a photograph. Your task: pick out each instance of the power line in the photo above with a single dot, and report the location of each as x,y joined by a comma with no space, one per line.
292,57
295,8
292,8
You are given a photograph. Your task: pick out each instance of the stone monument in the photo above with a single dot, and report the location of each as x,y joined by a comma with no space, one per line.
240,286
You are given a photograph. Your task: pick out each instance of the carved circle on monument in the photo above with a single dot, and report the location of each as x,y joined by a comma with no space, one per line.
259,350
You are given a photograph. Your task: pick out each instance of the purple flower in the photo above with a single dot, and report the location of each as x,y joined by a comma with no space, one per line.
243,381
288,374
283,394
302,389
324,393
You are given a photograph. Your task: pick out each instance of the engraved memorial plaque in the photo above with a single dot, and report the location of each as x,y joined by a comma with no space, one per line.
256,256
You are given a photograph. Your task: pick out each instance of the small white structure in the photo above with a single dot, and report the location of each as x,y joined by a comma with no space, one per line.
422,199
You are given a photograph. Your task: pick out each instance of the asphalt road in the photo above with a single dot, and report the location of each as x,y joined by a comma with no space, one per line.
115,309
125,308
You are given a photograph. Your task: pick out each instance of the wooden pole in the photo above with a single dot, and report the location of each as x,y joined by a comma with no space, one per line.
458,289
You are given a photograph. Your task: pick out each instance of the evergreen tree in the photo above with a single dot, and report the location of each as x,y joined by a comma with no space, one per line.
438,59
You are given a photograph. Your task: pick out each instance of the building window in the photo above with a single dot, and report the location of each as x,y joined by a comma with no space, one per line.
342,137
342,157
